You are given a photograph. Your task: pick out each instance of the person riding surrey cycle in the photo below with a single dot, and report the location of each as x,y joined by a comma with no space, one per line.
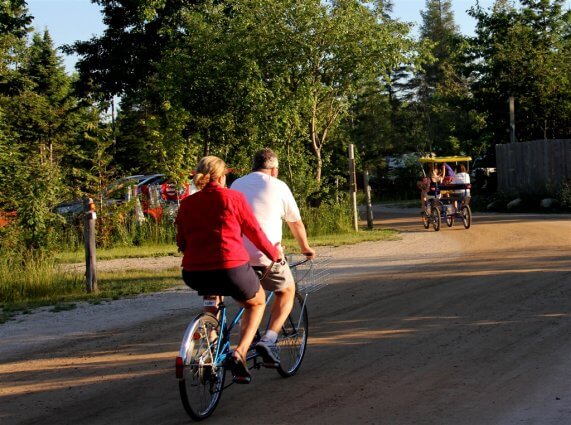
272,201
210,225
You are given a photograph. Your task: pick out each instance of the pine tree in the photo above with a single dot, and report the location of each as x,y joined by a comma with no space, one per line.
443,95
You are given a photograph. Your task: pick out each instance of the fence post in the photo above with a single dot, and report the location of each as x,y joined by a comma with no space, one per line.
353,186
89,239
367,189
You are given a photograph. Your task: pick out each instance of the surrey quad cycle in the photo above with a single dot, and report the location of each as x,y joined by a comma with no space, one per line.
445,201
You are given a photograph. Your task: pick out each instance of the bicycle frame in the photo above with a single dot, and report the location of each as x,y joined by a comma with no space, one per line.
223,349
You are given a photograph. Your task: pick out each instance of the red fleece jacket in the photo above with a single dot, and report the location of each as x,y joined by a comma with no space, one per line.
210,225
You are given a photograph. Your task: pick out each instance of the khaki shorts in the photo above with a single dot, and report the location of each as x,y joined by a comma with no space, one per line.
279,278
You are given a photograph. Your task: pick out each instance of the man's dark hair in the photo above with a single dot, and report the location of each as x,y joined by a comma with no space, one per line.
264,159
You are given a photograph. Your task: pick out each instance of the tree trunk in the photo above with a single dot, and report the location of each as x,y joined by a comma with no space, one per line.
315,144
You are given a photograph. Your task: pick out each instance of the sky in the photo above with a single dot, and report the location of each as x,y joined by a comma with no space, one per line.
71,20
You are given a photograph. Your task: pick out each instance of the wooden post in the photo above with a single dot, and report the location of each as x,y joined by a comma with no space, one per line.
367,189
353,186
89,239
512,119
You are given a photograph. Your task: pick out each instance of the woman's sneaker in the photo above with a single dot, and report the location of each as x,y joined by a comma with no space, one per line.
237,364
270,353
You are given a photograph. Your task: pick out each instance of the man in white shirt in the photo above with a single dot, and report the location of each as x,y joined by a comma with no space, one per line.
272,201
462,177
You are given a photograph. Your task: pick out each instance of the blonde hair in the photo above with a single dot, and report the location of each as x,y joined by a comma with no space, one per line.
210,168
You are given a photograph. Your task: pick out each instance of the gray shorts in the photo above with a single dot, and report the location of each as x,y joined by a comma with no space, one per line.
278,279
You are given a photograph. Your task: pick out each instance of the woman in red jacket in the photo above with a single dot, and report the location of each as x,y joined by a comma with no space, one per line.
210,225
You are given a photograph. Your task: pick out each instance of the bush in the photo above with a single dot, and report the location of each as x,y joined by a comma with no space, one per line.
564,195
329,218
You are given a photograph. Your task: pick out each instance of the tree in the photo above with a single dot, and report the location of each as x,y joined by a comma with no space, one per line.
443,96
276,73
523,53
122,59
41,109
14,18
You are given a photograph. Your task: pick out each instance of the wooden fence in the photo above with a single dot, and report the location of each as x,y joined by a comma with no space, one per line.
539,166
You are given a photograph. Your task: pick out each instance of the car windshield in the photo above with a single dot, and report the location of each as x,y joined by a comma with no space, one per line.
117,188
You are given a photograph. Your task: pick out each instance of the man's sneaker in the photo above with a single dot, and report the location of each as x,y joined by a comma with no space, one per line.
270,353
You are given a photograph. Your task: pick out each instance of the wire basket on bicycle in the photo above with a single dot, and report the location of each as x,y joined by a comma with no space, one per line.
310,275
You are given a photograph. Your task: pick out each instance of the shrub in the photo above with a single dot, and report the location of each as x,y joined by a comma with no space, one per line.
564,195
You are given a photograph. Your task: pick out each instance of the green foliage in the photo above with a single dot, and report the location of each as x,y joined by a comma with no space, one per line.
14,18
35,187
327,219
523,53
564,195
229,79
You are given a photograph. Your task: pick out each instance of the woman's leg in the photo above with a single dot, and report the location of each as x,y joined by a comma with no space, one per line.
253,313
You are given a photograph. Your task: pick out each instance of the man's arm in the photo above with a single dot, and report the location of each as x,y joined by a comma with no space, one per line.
298,230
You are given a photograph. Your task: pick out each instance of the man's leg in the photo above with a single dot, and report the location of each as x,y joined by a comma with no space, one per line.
281,308
282,283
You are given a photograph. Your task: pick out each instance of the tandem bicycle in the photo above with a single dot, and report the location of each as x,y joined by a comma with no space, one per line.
201,364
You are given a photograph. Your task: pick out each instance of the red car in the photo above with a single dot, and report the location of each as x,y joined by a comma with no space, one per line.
162,194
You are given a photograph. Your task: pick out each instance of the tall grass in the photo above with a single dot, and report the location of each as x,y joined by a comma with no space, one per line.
34,278
327,219
116,233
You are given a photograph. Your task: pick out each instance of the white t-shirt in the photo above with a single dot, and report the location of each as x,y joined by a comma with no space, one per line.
272,202
462,178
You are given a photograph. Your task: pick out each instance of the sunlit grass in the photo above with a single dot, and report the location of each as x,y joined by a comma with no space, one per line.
156,250
64,289
344,239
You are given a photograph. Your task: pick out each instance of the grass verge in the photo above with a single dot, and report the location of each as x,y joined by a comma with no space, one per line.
163,250
67,289
26,287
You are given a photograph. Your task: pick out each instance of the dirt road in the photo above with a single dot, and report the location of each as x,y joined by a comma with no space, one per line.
458,327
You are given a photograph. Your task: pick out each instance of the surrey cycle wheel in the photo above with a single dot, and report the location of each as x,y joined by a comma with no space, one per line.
466,216
425,220
436,219
292,340
449,220
201,381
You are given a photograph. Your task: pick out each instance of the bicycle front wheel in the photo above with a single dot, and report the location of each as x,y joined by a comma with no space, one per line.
292,340
436,219
201,380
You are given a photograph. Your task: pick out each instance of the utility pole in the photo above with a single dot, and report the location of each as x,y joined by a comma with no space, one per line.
512,119
368,202
89,239
353,186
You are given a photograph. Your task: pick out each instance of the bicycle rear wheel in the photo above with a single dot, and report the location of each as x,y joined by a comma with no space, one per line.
201,381
292,340
466,216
